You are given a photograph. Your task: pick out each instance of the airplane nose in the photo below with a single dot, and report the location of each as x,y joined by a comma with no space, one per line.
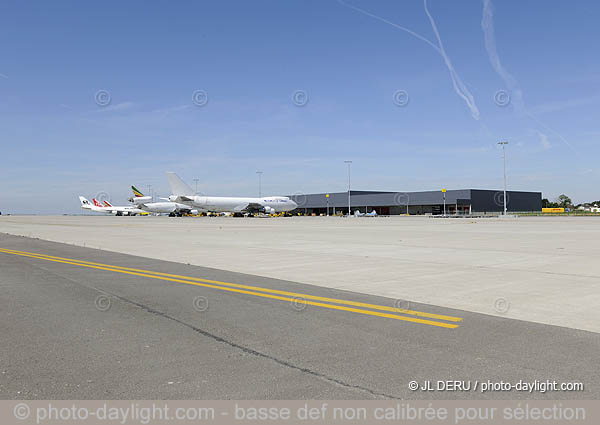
294,204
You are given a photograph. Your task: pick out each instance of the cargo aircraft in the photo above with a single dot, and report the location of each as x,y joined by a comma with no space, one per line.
182,193
172,208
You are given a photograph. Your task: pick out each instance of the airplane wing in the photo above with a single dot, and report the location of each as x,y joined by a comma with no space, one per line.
178,198
252,207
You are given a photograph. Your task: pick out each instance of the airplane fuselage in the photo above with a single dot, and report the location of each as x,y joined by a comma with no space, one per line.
184,194
164,207
237,204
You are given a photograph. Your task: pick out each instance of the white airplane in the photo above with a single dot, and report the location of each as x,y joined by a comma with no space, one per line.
184,194
172,208
127,210
108,208
357,213
87,205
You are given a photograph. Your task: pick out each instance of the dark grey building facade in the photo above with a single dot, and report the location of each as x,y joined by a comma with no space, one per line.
463,201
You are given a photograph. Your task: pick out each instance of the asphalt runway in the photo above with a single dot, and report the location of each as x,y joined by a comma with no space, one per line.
544,269
80,323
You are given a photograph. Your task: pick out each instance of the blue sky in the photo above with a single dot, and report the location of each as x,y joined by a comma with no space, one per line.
540,90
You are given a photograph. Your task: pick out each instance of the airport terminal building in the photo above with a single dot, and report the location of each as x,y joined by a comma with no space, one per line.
463,201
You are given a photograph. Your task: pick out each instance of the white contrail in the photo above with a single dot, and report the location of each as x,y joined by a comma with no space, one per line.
544,140
556,133
459,86
379,18
487,24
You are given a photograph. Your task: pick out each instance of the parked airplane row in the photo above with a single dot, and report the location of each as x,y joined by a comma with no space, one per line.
183,200
107,208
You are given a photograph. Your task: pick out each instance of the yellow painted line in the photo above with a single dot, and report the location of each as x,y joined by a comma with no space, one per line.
256,288
181,279
330,306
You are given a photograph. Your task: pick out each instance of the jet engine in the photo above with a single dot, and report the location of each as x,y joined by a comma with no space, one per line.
140,200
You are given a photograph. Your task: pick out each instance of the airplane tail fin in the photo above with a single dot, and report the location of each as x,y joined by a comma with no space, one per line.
96,203
178,186
84,202
136,192
106,203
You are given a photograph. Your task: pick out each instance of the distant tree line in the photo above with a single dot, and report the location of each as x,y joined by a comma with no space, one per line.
563,201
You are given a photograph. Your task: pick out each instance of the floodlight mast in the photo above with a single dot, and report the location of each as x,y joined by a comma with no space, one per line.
504,143
348,163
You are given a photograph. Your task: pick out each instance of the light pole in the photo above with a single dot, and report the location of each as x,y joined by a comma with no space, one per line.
348,162
259,183
444,195
150,191
504,143
196,181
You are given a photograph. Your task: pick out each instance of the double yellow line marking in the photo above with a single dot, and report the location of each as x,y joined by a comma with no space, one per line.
298,298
